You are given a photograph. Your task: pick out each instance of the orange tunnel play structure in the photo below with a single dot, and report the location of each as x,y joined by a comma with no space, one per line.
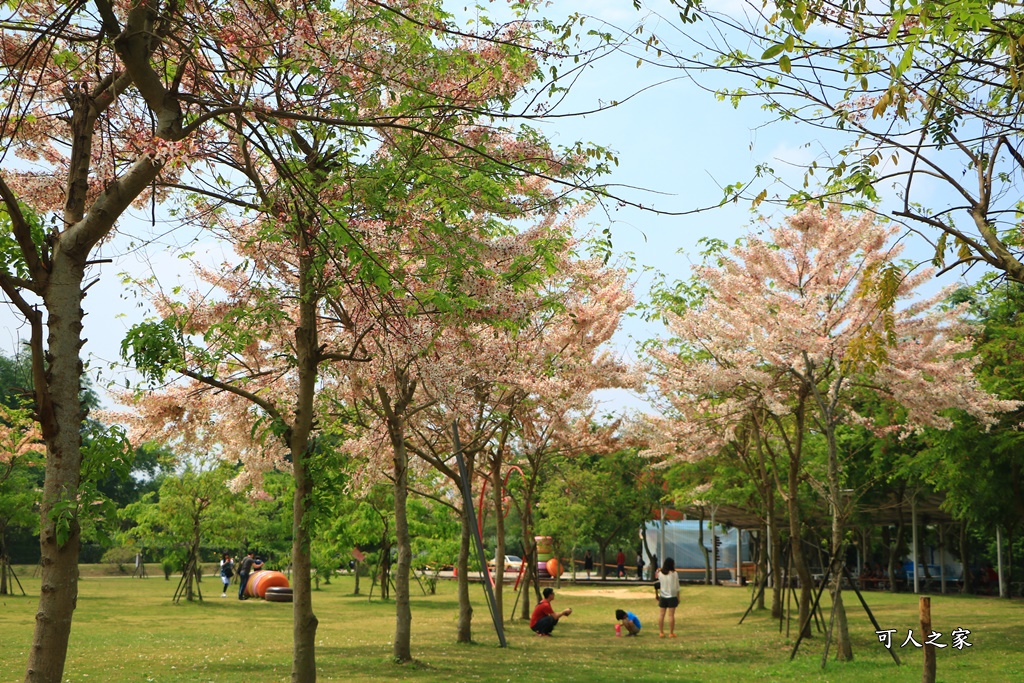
260,581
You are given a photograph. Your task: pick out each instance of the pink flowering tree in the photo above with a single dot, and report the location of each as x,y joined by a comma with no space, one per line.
792,327
317,291
550,344
110,106
272,354
475,366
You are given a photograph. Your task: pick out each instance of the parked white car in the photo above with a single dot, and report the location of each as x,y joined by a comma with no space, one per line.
512,563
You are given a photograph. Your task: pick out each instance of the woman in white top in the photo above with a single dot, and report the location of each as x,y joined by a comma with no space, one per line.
667,589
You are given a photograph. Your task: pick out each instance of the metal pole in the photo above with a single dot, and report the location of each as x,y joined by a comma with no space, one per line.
739,555
913,523
942,557
467,498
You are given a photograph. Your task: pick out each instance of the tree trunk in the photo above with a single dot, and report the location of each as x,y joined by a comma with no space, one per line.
844,649
530,577
965,561
651,570
499,528
704,549
762,561
530,558
774,541
894,552
385,569
795,524
602,549
3,561
800,564
403,612
60,417
1009,561
192,563
304,621
464,632
307,351
778,571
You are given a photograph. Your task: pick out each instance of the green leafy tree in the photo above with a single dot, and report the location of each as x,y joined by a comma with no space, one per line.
20,457
185,513
365,522
564,509
981,470
601,498
436,529
15,380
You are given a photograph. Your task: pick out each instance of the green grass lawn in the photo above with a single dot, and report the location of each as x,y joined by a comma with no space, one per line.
128,630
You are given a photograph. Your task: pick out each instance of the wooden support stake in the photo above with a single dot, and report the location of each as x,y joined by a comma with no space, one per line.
928,671
6,566
871,615
805,626
760,592
828,637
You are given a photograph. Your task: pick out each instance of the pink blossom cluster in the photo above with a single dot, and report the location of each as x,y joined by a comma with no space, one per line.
807,308
19,436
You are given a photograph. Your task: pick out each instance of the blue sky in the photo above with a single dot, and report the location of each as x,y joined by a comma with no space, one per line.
674,139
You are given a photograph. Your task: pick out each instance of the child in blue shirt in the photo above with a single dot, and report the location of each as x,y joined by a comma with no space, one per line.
628,622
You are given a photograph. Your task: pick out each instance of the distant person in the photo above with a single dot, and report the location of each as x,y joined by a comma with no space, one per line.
588,563
620,564
544,618
244,569
667,589
989,579
640,566
628,622
227,570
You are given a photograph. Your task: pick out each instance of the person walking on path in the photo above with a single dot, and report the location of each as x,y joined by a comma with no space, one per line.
588,563
227,570
620,565
667,590
244,569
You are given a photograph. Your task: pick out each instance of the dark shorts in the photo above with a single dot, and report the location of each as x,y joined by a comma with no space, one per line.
668,603
545,624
